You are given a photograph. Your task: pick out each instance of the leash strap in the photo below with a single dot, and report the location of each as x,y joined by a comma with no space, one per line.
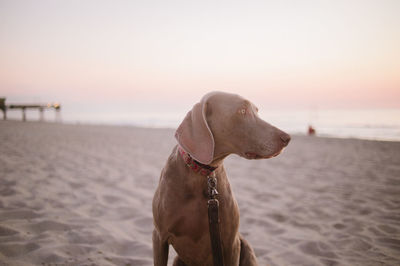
213,221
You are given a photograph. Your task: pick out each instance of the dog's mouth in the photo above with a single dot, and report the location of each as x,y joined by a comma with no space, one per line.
254,156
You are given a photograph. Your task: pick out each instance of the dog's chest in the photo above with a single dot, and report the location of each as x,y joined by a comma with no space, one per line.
190,217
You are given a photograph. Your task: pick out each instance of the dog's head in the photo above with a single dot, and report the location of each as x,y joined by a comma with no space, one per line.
228,123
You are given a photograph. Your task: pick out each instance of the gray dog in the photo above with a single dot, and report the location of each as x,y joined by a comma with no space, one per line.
219,125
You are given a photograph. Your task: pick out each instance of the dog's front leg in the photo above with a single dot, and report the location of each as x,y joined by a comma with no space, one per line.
160,250
247,256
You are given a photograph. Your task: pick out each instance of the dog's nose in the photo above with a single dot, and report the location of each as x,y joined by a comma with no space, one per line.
285,138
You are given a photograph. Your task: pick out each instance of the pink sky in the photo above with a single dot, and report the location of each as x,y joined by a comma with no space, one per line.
167,54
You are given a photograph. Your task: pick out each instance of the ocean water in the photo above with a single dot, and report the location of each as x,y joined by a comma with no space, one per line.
374,124
378,124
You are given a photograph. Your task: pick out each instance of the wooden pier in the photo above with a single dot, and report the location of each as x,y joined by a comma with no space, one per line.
41,107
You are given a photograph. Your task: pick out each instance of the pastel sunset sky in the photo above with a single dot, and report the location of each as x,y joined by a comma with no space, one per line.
164,55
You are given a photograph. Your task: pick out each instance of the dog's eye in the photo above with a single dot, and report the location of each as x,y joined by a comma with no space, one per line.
242,111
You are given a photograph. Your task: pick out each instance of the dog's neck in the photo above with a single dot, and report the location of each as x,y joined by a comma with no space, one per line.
196,166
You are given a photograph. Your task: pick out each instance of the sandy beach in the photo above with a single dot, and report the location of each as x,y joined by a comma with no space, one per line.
81,195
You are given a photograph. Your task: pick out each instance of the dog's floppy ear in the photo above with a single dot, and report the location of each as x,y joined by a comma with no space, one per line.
194,134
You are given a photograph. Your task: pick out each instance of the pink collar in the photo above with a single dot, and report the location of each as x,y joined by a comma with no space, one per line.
196,166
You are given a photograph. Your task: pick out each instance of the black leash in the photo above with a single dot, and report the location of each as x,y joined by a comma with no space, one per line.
213,221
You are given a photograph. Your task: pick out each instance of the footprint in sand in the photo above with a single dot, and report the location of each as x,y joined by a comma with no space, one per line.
49,226
13,250
5,231
20,214
317,249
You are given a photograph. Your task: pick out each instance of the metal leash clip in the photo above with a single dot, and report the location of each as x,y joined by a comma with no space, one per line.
214,222
212,187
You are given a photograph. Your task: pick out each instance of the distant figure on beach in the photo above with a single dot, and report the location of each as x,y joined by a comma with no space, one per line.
311,130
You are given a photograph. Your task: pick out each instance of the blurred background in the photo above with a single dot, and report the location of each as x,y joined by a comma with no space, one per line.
334,65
